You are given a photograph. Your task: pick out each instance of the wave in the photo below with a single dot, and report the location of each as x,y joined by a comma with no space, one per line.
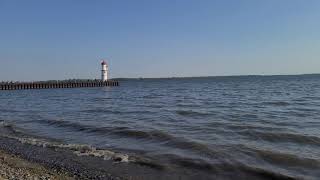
9,111
281,137
304,109
283,159
192,113
151,135
109,111
8,128
219,166
171,141
152,96
266,174
244,127
183,104
78,149
276,103
2,123
227,169
192,163
77,126
121,131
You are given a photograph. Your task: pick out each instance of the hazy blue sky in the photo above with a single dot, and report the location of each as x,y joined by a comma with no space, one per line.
59,39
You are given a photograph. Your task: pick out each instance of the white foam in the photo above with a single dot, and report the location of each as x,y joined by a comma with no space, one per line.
79,150
4,124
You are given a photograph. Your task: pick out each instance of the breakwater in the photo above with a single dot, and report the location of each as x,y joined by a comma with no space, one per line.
56,84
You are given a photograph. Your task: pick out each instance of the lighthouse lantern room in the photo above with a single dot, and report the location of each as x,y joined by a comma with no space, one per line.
104,71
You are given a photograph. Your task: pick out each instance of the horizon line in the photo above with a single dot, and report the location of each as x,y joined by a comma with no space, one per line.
169,77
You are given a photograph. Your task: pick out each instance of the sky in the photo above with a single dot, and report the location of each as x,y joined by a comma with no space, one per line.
65,39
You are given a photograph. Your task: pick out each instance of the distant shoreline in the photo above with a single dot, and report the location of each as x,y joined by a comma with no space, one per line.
227,76
173,77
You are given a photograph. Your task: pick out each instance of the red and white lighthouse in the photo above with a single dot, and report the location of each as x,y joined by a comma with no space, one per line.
104,71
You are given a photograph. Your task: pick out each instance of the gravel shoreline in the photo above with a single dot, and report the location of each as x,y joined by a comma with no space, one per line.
25,161
56,163
14,167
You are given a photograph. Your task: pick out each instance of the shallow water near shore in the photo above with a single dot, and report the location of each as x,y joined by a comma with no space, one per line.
250,126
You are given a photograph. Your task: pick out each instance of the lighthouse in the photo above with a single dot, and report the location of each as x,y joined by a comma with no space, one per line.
104,71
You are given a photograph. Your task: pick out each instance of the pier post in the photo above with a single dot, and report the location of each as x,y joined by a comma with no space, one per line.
57,84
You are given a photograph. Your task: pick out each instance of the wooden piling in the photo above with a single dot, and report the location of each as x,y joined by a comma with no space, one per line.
53,85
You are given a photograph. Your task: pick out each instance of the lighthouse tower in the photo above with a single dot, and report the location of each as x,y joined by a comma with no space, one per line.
104,71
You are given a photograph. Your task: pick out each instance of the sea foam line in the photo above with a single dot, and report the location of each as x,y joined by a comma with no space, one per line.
78,149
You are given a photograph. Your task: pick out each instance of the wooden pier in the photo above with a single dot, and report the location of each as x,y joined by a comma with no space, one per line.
57,84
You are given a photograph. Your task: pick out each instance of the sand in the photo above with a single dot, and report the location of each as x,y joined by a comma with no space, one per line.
14,167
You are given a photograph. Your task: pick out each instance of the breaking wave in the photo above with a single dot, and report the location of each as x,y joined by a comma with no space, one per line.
78,149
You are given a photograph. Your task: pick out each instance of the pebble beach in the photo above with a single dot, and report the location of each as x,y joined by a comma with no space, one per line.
14,167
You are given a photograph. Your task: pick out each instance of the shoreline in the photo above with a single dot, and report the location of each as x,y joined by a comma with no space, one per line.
24,161
75,161
67,163
54,161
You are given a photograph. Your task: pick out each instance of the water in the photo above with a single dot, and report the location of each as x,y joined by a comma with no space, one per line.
218,125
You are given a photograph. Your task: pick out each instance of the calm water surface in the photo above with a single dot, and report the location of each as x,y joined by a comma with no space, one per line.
210,125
